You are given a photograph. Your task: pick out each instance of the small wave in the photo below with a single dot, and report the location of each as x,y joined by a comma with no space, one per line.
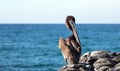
21,66
31,66
86,37
7,48
42,65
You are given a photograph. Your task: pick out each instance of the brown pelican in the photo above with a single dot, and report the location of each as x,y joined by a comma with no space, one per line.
71,46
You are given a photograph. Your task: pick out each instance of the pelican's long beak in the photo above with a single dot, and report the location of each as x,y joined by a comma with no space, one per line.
74,31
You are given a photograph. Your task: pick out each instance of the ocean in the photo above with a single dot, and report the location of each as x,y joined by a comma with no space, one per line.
34,47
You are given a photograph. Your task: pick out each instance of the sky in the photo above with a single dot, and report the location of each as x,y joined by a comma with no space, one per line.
55,11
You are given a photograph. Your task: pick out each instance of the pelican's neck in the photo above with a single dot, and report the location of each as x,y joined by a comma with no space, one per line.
74,32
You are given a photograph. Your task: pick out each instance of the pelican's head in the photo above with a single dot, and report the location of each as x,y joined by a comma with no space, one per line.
70,23
70,20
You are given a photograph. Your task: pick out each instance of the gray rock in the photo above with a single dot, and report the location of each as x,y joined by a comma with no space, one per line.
91,57
111,69
100,54
116,58
104,68
117,65
113,54
96,61
77,67
117,68
103,62
114,69
84,57
118,53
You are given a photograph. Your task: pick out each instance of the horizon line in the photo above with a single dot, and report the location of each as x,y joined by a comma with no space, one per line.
58,23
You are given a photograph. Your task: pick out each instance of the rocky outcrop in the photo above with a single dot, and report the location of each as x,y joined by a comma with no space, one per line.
96,61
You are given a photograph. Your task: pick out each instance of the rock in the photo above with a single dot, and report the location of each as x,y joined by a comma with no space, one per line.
114,69
111,69
91,57
96,61
77,67
84,57
104,68
113,54
87,58
103,62
117,68
100,54
117,65
116,58
118,53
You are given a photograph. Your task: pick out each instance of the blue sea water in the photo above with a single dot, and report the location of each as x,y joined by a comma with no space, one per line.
34,47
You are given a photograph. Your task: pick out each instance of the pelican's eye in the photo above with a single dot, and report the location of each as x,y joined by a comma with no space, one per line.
71,22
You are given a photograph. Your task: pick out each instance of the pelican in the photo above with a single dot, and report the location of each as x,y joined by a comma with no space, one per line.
71,46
